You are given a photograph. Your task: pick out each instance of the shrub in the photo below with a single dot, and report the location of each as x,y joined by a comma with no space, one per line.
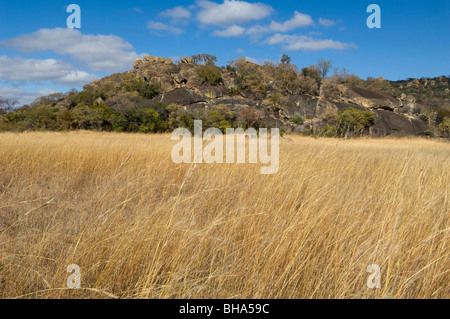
145,120
312,72
354,121
251,81
4,124
148,120
298,120
442,114
231,68
42,118
444,127
286,78
308,85
209,74
329,131
88,97
331,89
251,117
275,100
149,90
86,118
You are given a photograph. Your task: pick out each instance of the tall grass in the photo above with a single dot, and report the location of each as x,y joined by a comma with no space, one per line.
140,226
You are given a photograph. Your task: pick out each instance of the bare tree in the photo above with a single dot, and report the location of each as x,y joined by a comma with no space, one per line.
7,104
324,67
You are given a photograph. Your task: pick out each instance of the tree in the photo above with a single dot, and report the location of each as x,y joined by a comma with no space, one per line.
286,77
209,74
286,59
341,75
324,67
7,104
149,90
312,72
204,58
354,121
48,100
148,120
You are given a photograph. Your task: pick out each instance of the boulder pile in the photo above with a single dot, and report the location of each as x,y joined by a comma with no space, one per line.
148,59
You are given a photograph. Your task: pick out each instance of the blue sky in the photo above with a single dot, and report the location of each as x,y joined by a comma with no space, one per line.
40,55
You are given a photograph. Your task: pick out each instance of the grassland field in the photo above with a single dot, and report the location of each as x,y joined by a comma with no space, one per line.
140,226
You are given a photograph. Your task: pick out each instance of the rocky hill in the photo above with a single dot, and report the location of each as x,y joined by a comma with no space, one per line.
246,94
181,84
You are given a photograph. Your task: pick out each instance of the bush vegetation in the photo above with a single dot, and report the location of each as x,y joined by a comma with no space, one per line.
209,74
348,123
126,103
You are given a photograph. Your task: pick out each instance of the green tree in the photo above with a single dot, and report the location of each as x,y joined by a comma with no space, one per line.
149,90
42,118
354,121
286,59
86,118
148,120
209,74
204,58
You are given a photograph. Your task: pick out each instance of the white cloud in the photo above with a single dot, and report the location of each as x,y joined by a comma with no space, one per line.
299,20
104,53
59,72
177,14
159,26
231,31
240,51
22,96
327,22
306,43
231,12
257,31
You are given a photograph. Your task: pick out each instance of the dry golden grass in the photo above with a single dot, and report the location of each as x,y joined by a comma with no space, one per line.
140,226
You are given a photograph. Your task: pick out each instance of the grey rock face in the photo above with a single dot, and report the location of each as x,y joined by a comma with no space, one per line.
390,123
180,96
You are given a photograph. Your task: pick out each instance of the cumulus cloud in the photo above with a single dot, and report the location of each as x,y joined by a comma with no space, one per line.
299,20
159,26
307,43
58,72
103,53
22,96
231,12
231,31
177,14
257,31
327,22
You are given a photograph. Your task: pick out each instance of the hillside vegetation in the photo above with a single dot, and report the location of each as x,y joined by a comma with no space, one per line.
159,95
140,226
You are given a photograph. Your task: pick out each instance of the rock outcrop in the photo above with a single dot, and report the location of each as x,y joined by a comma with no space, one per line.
180,84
